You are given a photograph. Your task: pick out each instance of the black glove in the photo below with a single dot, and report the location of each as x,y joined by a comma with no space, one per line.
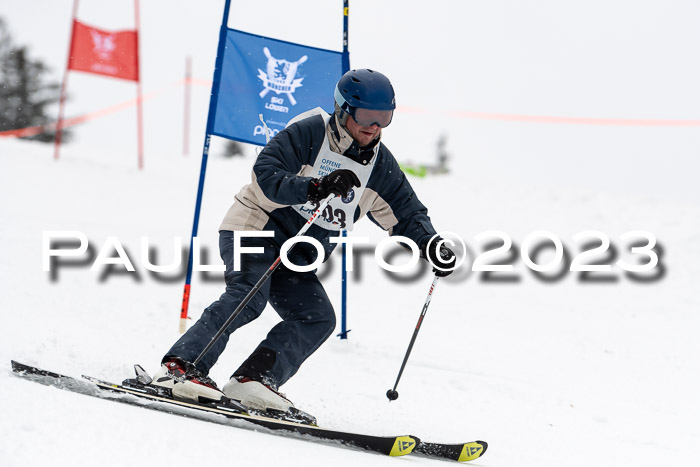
339,182
446,259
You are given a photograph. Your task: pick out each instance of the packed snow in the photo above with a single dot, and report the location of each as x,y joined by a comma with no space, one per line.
558,369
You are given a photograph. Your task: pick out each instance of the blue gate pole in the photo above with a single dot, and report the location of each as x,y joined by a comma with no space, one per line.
344,294
344,274
205,155
346,51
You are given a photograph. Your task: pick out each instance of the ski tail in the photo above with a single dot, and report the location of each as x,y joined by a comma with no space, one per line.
460,452
21,368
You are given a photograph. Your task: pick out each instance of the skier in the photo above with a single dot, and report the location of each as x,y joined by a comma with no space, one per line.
315,156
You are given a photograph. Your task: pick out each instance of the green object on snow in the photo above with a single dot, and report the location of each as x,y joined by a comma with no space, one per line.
418,171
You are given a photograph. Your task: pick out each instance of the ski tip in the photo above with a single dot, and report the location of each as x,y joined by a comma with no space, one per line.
403,445
473,450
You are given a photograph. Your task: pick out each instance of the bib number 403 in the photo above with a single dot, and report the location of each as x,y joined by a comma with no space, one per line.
333,216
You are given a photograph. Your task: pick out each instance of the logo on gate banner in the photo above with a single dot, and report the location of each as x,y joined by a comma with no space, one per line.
102,44
280,76
272,77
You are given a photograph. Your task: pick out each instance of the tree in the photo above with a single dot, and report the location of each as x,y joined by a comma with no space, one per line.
25,92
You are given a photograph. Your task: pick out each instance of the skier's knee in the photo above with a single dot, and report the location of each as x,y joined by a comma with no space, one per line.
329,323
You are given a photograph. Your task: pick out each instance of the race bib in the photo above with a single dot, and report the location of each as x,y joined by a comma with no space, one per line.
339,213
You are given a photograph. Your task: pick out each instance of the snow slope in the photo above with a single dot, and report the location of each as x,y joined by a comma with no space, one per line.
550,373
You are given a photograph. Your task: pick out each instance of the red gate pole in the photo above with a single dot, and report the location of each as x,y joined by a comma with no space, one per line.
139,108
62,100
188,85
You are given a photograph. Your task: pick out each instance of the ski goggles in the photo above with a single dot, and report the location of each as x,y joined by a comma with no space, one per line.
367,117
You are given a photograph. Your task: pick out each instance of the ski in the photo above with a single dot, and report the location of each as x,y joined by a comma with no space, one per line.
389,445
233,412
461,452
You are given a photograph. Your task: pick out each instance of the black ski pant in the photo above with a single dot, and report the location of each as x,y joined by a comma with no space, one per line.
308,318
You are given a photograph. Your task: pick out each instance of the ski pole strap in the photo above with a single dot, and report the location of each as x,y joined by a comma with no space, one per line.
267,132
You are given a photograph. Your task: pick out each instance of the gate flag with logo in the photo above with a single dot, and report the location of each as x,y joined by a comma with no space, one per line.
105,53
254,76
114,54
274,78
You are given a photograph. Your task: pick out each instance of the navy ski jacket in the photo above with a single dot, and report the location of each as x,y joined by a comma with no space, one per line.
281,177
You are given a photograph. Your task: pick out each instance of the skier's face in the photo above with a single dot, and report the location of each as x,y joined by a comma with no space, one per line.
362,134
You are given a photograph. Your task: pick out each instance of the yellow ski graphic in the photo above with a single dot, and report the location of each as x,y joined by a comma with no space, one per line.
402,446
471,451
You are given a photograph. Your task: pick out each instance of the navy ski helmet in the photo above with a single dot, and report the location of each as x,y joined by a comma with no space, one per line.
366,90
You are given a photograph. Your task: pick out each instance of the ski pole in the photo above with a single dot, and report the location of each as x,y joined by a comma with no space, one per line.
391,393
261,281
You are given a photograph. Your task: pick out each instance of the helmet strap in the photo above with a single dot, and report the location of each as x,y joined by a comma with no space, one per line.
341,115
